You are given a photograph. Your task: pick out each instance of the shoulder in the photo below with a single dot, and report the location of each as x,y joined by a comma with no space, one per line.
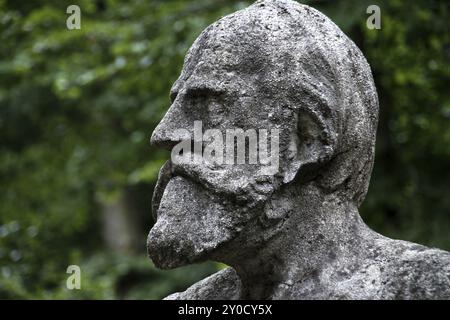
419,272
222,285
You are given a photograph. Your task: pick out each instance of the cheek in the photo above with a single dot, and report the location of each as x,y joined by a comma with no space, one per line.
191,223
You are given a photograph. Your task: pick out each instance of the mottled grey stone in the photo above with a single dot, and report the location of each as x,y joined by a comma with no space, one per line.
297,233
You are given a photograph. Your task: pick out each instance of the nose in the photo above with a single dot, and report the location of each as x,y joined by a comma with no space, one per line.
162,137
167,133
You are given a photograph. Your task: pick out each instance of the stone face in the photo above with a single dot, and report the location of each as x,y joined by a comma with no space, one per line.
293,233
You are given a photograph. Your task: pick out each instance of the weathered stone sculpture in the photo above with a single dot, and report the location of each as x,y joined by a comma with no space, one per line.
295,233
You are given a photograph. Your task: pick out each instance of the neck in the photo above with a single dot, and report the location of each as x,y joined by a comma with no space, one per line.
321,230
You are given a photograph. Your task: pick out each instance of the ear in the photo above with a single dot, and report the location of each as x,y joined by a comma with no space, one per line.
311,146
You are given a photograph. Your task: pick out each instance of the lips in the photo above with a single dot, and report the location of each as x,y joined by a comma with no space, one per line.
164,176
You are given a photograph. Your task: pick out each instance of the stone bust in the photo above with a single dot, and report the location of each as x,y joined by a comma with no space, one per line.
294,232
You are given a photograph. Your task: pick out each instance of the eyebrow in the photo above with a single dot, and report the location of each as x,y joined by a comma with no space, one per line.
198,91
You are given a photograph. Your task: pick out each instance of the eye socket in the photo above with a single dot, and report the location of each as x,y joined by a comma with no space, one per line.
198,100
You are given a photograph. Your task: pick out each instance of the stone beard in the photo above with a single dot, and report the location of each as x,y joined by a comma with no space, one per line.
292,233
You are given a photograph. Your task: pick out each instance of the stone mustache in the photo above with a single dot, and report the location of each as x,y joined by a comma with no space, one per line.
295,233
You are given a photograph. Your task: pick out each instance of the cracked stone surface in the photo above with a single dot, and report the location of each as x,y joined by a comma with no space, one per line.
295,233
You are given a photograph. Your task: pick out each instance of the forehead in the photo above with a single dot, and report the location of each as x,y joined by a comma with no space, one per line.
225,57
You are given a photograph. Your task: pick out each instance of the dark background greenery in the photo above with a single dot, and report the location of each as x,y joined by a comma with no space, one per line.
77,109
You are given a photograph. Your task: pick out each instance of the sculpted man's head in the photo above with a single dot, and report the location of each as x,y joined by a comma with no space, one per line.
275,64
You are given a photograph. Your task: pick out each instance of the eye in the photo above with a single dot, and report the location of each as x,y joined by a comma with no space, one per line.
216,112
215,108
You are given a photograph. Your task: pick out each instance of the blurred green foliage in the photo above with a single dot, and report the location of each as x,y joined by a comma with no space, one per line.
77,108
